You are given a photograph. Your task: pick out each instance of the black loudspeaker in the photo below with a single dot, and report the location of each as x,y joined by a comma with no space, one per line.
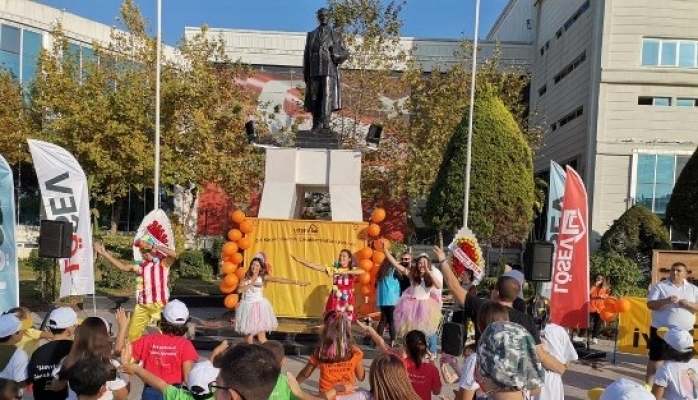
55,239
250,131
452,338
538,261
374,134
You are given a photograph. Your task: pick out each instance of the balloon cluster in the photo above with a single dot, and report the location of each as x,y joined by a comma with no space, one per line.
232,256
611,307
371,257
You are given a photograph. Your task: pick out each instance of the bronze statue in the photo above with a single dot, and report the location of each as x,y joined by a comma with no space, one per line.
324,52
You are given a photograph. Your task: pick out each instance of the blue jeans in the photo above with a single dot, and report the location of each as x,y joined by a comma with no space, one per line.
150,393
433,341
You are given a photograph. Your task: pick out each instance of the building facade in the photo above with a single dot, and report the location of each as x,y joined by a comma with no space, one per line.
616,84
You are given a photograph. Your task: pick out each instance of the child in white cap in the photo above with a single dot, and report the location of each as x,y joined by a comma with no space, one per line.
13,360
677,378
625,389
166,354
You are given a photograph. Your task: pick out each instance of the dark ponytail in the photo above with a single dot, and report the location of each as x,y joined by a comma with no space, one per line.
416,346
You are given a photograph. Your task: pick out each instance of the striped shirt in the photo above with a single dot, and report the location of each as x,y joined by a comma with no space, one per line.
155,284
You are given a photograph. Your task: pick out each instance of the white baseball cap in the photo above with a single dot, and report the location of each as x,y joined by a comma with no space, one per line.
625,389
176,312
62,318
679,339
200,376
9,325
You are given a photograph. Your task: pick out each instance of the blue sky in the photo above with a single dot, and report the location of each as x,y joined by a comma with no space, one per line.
422,18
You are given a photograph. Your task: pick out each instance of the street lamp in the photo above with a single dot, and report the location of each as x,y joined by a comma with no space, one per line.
156,185
473,73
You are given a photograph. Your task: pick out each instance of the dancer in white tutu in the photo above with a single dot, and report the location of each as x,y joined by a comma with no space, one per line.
254,315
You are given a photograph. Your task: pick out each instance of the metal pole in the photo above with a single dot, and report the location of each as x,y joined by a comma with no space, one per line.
156,185
473,73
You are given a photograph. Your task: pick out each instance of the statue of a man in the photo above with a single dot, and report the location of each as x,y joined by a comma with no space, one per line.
324,52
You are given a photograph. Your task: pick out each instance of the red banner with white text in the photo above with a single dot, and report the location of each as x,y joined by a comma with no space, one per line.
569,298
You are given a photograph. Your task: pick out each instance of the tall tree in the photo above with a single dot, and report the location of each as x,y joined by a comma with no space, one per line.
502,191
99,103
14,123
682,210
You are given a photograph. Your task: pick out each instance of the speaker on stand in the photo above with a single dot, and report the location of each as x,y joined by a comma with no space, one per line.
55,241
538,261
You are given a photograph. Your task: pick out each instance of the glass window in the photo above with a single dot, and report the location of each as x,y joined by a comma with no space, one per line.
661,101
668,53
655,179
10,61
680,163
31,47
10,39
686,102
650,52
687,54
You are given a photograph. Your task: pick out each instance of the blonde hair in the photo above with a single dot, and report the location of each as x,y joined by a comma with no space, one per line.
389,379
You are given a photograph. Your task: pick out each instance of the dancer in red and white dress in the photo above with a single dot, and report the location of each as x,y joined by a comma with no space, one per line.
343,271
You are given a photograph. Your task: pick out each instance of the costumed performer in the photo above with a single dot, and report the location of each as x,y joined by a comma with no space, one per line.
342,271
254,315
419,307
152,291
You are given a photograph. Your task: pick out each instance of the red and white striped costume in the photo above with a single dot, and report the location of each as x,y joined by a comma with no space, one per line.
155,283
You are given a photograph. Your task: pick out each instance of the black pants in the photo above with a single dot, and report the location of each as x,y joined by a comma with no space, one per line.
387,318
595,319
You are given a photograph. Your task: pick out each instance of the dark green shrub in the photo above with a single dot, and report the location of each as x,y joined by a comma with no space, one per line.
682,210
46,274
121,247
622,273
634,235
212,254
190,264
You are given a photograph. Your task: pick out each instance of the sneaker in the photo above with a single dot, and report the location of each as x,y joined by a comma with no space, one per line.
578,339
595,341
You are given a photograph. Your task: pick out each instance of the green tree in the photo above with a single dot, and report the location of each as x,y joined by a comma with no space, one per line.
14,123
634,235
622,273
502,193
682,210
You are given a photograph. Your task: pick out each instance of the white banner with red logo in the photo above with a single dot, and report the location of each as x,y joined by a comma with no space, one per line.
478,273
569,299
64,194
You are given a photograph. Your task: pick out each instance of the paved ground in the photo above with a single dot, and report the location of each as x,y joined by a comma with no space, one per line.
579,378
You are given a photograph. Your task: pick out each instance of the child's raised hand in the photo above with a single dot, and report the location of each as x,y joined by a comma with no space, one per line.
223,346
293,384
126,354
123,318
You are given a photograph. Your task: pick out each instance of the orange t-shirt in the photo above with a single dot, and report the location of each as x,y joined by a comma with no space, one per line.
337,373
597,304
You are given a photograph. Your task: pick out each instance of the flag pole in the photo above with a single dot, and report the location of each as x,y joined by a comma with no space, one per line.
156,185
473,73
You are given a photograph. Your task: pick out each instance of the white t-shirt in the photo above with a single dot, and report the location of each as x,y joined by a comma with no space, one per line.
680,380
116,384
16,369
558,343
421,292
255,292
673,315
467,376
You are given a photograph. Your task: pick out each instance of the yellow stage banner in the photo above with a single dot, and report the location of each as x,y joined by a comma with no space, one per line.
634,327
315,241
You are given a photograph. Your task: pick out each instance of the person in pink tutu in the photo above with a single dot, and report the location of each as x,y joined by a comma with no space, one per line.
341,297
254,315
419,307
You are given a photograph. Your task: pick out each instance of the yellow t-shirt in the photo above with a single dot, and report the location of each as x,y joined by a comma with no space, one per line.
30,340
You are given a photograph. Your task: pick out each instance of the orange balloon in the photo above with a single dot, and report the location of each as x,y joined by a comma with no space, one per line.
378,215
366,253
231,300
238,216
623,305
229,249
231,280
373,230
234,235
240,272
365,290
235,258
378,257
246,226
382,244
229,268
244,243
608,316
364,278
609,304
226,289
366,265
